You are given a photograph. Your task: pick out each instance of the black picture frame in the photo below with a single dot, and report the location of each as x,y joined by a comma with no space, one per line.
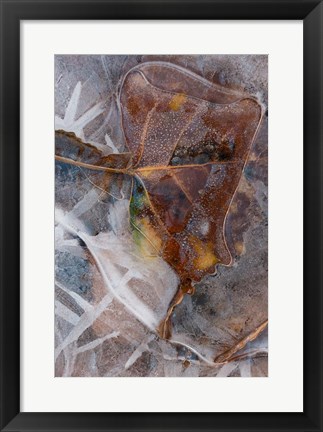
12,12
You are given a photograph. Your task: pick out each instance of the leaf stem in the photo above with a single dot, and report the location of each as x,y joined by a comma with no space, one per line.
93,167
133,171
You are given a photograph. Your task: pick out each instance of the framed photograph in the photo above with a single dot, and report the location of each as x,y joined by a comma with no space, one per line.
161,215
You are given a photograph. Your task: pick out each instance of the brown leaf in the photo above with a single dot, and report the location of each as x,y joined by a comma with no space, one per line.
189,153
189,141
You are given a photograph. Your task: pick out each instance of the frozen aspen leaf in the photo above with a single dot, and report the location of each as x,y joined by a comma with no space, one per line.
188,142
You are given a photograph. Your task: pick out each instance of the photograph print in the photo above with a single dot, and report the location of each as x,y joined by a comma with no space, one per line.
161,216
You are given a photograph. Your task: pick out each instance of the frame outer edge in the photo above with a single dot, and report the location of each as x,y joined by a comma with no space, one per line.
313,214
10,216
9,204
